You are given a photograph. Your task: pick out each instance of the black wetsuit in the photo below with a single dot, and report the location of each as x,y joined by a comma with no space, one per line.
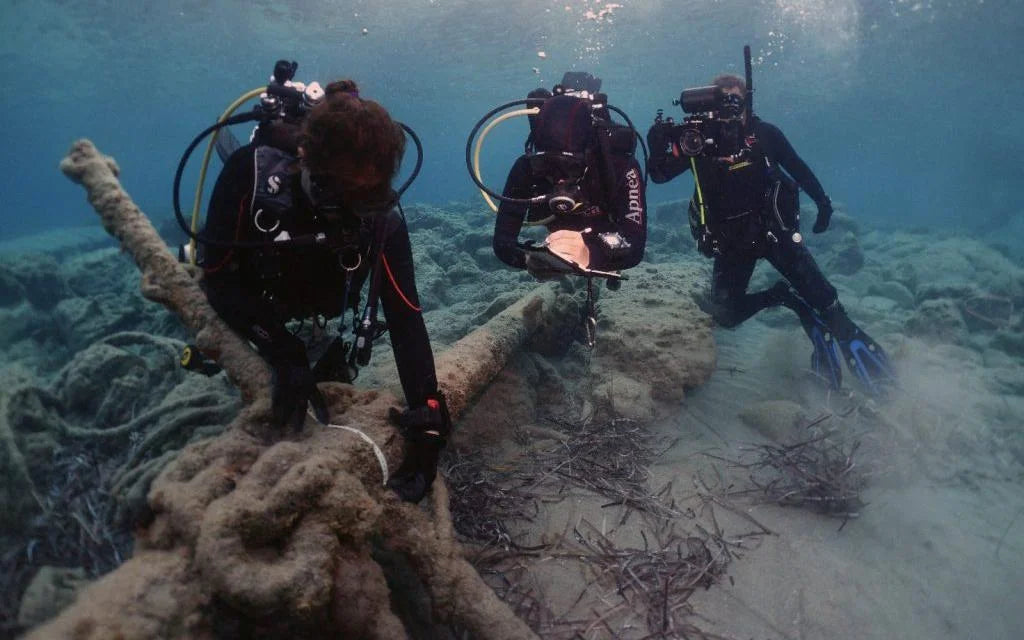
626,214
735,194
257,290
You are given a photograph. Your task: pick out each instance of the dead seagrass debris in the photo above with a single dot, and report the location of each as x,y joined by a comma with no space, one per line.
623,590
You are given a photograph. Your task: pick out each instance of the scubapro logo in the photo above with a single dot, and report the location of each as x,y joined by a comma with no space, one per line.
273,185
636,210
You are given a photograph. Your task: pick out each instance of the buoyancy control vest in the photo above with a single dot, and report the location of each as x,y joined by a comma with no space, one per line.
323,277
302,268
741,201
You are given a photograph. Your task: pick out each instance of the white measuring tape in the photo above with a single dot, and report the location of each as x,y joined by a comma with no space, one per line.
376,450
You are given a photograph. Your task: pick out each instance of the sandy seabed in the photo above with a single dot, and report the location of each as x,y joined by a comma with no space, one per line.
935,553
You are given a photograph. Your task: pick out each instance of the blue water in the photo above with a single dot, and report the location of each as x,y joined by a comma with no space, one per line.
908,111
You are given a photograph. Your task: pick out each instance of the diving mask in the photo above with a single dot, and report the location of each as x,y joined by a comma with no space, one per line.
558,166
732,105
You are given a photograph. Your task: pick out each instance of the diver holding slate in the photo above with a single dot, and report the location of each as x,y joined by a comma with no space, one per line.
560,254
579,178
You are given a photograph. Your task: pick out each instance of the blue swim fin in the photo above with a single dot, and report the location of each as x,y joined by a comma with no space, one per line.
865,357
826,362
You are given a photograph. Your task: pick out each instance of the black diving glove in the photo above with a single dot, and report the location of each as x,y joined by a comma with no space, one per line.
426,431
824,215
333,365
657,139
294,388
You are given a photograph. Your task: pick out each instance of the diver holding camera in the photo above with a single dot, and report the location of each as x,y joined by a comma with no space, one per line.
745,207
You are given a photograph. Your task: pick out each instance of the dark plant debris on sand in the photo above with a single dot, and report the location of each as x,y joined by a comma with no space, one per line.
628,591
817,472
75,529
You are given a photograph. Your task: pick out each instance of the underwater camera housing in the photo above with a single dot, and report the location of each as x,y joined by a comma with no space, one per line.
713,125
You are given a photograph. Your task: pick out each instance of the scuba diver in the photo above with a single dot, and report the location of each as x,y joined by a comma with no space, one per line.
745,207
298,221
578,177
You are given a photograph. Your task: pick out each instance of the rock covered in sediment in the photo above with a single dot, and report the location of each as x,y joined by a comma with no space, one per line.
939,318
17,504
37,277
935,265
776,420
848,257
654,339
106,270
20,329
895,291
12,292
89,293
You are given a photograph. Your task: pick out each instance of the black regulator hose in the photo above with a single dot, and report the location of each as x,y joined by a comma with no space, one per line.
469,156
643,145
419,159
249,117
239,119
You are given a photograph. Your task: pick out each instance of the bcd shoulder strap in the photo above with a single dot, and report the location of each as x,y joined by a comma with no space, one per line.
272,198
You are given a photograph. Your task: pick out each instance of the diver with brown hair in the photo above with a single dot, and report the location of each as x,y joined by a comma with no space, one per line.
298,221
745,207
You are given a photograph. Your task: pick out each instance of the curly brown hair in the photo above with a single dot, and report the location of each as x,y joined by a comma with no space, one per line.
728,81
350,139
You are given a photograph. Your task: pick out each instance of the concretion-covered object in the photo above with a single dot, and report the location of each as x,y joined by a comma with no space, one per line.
256,537
164,279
